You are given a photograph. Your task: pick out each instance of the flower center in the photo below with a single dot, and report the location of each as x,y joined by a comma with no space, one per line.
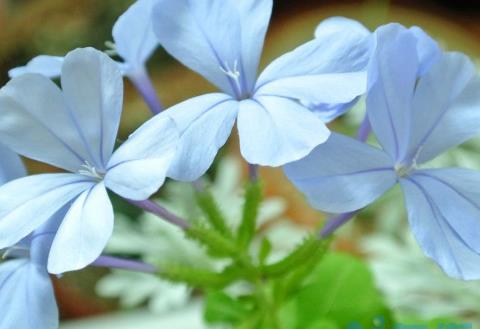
90,171
404,170
234,75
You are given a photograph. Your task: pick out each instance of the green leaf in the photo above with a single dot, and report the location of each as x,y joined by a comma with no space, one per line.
247,228
341,289
221,308
209,206
265,249
216,243
196,277
310,247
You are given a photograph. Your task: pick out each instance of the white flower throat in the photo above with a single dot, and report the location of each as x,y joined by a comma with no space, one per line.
234,75
90,171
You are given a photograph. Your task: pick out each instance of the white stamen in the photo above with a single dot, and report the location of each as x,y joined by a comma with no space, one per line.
90,171
232,73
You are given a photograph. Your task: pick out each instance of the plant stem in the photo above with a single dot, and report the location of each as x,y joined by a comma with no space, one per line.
154,208
364,130
253,172
125,264
144,85
335,222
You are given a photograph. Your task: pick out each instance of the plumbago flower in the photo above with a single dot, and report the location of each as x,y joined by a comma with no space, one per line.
222,40
420,103
134,42
75,129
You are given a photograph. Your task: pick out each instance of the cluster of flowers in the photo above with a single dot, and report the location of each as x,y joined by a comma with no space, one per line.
421,101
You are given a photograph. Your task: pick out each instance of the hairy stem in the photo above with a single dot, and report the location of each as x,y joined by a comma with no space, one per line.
124,264
144,85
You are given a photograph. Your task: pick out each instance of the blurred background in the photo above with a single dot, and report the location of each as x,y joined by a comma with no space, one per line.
412,286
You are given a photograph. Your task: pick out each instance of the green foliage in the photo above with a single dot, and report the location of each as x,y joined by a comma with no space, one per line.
247,228
341,290
222,308
209,206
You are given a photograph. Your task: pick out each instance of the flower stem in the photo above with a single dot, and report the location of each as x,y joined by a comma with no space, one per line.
335,222
144,85
253,172
156,209
124,264
364,130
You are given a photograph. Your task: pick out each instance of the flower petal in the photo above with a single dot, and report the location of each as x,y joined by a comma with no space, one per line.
84,232
205,123
93,88
443,227
274,131
27,203
342,175
139,167
329,112
35,124
445,107
205,36
49,66
427,48
342,25
392,76
337,51
133,34
11,166
254,19
27,299
327,88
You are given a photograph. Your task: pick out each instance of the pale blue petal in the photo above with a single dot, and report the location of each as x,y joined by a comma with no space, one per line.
427,48
27,299
133,34
205,123
205,36
274,131
446,107
342,25
392,76
49,66
35,123
27,203
329,88
329,112
342,175
139,167
93,89
338,51
440,224
254,19
84,232
11,166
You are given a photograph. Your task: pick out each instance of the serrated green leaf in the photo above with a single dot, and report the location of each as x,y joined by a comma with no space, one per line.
210,208
265,249
247,228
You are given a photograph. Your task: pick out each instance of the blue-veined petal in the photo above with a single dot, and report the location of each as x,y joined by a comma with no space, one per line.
84,231
441,224
342,25
274,131
392,75
329,112
205,123
133,34
446,107
27,203
11,166
93,89
326,88
427,48
337,52
254,19
27,299
139,167
49,66
342,175
35,123
205,36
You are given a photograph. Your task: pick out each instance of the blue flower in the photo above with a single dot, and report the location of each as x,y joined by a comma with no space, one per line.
420,103
222,40
134,43
75,129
